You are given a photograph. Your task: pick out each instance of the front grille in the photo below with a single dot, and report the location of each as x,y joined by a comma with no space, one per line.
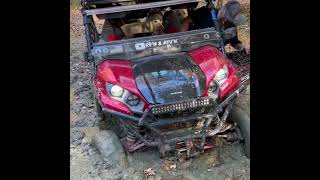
181,106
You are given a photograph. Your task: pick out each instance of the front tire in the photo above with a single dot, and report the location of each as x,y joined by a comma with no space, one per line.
242,118
108,122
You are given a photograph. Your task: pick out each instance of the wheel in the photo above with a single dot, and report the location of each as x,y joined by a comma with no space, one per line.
108,122
239,115
99,110
103,125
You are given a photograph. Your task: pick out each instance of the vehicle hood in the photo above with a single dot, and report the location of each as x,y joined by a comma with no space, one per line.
167,79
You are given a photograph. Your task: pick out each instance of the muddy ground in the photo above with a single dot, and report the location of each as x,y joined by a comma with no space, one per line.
224,162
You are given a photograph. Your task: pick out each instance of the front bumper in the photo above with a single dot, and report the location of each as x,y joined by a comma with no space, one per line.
167,142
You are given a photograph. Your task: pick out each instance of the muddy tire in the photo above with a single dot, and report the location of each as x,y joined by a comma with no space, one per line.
108,122
110,148
99,110
242,118
103,125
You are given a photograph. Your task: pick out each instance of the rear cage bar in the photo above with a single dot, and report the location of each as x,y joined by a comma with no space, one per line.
139,6
90,25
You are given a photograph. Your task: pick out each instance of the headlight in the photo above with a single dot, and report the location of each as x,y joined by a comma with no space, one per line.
123,95
222,75
213,86
213,89
133,100
116,91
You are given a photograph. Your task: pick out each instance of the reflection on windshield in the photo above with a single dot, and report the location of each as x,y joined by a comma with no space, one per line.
175,81
177,77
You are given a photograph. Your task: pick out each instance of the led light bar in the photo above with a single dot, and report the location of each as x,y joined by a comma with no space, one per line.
181,106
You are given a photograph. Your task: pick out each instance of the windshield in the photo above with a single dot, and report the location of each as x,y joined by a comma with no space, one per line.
153,45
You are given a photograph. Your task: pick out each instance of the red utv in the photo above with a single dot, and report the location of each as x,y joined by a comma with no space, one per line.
176,91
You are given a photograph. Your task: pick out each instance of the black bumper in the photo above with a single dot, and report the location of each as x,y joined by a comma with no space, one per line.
224,107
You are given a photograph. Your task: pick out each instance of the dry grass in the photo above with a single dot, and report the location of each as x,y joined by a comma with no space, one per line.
244,31
74,4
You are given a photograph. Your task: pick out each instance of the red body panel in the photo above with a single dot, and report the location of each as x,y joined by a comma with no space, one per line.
210,60
117,72
113,104
231,84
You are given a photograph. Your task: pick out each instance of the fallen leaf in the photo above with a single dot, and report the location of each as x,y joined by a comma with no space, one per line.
169,165
173,167
240,177
149,172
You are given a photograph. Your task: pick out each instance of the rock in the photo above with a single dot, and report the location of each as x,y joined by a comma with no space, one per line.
114,174
73,117
156,177
188,176
131,170
91,132
76,137
135,176
213,159
129,173
108,144
185,164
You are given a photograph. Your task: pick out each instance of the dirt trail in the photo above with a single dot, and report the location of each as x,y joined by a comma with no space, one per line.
226,162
